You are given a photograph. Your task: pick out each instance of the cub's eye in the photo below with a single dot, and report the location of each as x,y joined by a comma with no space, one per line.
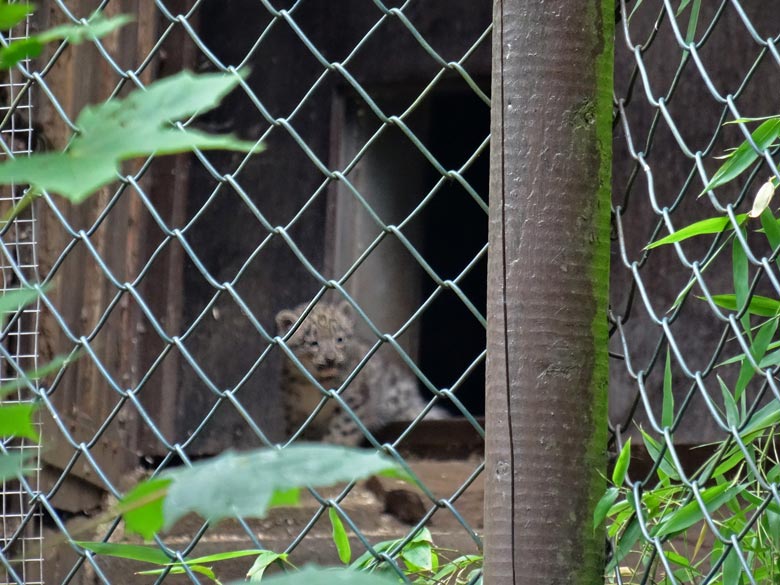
339,340
313,343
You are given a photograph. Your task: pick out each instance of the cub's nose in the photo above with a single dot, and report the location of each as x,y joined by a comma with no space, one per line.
328,362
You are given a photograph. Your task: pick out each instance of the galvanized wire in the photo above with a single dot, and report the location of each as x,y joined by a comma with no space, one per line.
21,520
128,289
676,87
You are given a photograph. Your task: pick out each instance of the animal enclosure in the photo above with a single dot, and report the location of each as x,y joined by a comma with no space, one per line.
378,192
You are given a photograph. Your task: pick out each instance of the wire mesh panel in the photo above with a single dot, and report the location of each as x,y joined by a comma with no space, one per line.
694,294
21,524
171,286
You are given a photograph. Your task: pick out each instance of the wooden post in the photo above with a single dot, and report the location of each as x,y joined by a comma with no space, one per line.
548,275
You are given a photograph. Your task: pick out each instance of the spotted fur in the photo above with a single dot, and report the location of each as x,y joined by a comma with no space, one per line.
326,345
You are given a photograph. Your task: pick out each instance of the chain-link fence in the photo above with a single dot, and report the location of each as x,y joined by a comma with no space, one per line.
167,285
693,368
193,290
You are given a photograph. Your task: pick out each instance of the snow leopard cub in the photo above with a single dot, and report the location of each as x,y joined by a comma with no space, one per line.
325,344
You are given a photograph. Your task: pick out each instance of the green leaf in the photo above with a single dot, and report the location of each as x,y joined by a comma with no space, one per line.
761,306
320,576
16,420
226,556
603,506
693,21
732,412
262,562
14,464
423,535
244,484
14,300
621,465
667,412
741,277
758,349
771,229
773,359
772,519
32,47
135,552
654,448
763,418
744,156
17,51
97,26
732,569
691,513
713,225
748,119
180,570
729,463
285,498
26,378
458,564
142,507
13,14
366,559
118,130
677,559
418,556
625,544
340,538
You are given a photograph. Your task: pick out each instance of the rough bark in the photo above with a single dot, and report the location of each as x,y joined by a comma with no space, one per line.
547,289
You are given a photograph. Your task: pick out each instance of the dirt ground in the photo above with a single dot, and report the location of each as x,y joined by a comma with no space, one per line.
382,510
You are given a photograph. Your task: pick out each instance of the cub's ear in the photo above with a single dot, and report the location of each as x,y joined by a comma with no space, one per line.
284,321
345,309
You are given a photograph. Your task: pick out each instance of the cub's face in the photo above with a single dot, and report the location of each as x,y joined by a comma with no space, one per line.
321,341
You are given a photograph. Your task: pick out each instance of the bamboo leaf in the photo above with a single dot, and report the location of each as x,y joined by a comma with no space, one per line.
761,306
621,465
732,412
134,552
713,225
691,513
180,570
741,277
625,544
262,562
762,199
603,506
732,569
654,448
771,229
340,538
744,156
758,349
667,412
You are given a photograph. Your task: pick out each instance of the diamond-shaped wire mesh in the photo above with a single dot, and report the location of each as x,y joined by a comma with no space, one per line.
164,286
701,497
